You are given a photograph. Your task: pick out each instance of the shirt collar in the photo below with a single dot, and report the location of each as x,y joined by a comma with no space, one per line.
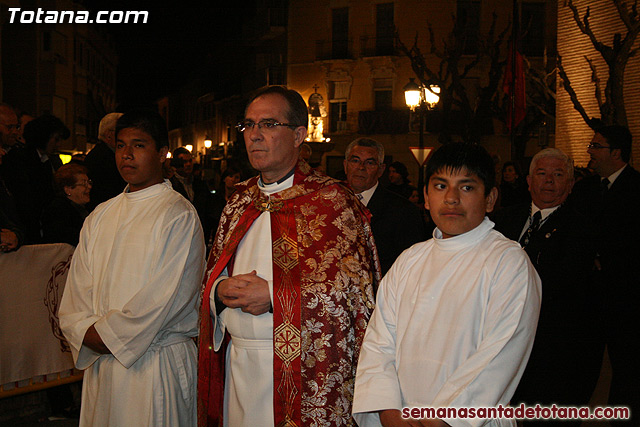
543,212
367,194
615,175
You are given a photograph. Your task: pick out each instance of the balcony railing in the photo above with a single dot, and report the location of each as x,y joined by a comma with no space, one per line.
334,49
377,46
383,122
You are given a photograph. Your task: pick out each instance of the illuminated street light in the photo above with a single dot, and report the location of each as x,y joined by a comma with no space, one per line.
424,98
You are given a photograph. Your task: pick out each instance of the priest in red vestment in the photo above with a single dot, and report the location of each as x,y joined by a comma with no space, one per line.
289,285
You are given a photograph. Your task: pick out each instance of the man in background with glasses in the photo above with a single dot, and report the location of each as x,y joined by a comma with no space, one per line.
396,222
289,284
612,201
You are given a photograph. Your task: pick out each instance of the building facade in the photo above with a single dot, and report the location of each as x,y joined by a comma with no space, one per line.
64,69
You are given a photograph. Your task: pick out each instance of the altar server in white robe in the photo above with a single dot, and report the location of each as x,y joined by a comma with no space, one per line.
456,315
129,309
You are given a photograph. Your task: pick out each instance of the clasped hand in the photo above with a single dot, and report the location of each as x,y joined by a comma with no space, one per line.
248,292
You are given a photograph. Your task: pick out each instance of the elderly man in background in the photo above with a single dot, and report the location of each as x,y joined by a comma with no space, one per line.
101,162
567,353
289,280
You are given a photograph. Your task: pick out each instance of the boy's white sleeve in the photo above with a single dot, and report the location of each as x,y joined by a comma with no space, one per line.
377,386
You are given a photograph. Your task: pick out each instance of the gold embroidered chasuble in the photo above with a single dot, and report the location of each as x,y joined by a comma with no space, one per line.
325,268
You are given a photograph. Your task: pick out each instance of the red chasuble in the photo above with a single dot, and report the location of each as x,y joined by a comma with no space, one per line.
325,267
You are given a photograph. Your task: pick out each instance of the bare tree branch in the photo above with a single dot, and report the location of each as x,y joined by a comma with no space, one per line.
585,28
596,81
566,84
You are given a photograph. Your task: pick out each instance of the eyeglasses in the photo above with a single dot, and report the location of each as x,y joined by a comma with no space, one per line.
267,124
83,183
16,126
597,147
369,163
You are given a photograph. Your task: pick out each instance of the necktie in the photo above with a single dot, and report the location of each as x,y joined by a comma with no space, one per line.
533,227
360,197
604,186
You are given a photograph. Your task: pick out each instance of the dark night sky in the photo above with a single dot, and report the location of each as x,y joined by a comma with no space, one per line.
155,58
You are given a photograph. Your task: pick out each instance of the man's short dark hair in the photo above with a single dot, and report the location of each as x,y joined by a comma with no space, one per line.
181,150
38,132
297,113
462,155
148,121
618,137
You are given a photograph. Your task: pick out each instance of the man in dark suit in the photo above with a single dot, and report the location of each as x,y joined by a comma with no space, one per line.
101,162
567,353
612,200
193,189
396,223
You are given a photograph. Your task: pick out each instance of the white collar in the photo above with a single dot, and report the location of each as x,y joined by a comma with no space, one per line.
615,175
367,194
543,212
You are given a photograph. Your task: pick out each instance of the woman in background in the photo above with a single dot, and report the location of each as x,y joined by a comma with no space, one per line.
62,219
513,186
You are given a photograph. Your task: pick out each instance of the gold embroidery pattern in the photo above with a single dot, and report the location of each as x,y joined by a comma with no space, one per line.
287,342
285,252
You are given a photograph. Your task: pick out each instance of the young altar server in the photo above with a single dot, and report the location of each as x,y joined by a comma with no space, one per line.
456,315
129,308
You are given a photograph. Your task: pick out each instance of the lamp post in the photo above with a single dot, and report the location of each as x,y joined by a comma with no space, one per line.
424,98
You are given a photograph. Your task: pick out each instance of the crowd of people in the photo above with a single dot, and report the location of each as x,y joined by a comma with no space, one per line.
325,302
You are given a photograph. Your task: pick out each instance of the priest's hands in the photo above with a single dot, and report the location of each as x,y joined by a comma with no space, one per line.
93,340
393,418
248,292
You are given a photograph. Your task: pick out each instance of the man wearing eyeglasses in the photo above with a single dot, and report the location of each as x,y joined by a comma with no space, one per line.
289,288
612,199
396,222
9,127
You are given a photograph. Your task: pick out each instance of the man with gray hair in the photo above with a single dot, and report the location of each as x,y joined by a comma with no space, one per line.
396,223
567,353
101,162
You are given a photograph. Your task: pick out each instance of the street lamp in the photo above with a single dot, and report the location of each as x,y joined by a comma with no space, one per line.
424,98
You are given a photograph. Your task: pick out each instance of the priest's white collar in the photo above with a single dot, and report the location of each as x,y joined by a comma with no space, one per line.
275,187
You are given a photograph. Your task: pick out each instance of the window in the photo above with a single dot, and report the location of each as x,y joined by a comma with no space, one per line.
468,20
337,116
340,33
533,28
338,95
384,29
383,94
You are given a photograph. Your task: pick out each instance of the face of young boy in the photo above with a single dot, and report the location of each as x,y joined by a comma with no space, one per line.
457,202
